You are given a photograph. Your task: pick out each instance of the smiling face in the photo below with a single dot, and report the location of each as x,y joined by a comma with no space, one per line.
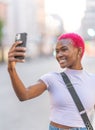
67,55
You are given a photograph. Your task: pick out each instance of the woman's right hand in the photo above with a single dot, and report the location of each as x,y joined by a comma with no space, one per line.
15,50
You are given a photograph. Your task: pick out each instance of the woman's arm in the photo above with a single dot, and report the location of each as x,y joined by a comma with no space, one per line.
21,91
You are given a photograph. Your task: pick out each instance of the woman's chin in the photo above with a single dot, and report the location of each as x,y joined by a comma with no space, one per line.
62,66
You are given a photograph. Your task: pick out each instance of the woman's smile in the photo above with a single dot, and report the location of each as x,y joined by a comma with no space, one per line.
62,61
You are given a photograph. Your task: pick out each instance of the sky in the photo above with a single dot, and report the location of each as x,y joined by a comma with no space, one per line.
71,11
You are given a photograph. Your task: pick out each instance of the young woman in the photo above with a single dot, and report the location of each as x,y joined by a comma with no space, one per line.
64,114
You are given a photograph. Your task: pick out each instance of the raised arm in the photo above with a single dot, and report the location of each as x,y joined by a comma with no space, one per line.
21,91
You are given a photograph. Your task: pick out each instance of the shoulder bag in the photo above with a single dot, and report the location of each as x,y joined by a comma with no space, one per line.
77,101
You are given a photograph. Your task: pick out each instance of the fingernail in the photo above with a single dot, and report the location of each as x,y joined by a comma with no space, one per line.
20,41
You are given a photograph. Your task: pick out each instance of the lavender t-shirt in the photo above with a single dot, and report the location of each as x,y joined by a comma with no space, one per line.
63,109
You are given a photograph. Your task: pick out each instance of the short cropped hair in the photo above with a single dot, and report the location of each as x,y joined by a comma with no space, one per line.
76,38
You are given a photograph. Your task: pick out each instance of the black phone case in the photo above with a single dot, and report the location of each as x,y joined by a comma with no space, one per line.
21,37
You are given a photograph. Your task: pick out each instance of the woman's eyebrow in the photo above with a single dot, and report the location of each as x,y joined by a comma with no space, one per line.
62,47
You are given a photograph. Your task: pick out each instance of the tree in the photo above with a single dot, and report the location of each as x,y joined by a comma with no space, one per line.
1,38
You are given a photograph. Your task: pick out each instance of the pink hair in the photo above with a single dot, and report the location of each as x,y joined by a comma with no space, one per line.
77,39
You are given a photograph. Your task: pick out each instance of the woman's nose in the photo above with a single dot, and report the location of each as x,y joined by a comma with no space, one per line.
60,54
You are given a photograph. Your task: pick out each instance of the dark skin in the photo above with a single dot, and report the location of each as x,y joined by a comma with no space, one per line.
66,54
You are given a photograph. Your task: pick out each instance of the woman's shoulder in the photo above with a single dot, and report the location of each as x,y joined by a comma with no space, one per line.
50,78
89,73
51,74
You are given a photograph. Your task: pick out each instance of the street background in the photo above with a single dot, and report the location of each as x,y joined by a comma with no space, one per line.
32,114
44,21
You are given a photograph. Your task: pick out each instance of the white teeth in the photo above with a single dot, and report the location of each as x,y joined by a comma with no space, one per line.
62,61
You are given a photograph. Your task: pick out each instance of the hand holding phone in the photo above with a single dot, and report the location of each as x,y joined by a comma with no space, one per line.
21,37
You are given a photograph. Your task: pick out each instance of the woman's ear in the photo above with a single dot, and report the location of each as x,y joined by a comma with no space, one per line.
80,52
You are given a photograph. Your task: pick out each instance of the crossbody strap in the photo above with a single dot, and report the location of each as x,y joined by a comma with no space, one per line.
77,101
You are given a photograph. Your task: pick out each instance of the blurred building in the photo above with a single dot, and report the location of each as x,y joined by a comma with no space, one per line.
3,16
3,8
3,19
23,16
29,16
88,21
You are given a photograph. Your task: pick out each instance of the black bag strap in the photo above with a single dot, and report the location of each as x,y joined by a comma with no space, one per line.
77,101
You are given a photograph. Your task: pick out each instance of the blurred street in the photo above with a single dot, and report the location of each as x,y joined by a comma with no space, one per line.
32,114
44,21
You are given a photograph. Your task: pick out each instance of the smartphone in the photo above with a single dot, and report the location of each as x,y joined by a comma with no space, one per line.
21,37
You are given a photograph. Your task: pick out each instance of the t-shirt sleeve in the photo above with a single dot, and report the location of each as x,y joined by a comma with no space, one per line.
46,79
50,79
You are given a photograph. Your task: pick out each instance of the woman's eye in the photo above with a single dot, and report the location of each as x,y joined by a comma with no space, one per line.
57,51
64,49
61,50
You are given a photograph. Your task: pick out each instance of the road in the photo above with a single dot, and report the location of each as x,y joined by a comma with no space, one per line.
32,114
